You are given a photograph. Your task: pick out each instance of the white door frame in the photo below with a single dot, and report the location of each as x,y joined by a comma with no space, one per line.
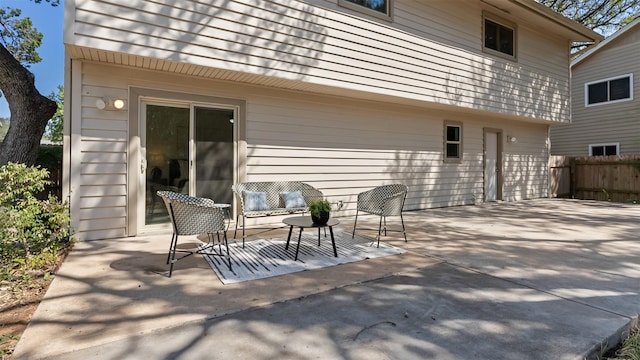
135,160
142,173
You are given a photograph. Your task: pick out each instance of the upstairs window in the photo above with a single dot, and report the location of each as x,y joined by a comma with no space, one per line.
604,149
609,90
499,37
377,8
452,141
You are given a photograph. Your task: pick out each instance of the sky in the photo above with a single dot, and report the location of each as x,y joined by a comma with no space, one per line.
48,20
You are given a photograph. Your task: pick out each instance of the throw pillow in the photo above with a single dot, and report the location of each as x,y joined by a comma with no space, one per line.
255,201
293,199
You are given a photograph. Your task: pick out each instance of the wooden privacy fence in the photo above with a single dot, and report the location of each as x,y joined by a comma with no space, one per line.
609,178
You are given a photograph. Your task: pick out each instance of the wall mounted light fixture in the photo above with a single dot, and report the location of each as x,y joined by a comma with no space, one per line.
110,104
511,139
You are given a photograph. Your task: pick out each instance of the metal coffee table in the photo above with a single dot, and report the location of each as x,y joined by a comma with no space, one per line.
303,222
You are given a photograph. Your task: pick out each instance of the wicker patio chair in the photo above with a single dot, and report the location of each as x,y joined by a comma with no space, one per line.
193,216
386,200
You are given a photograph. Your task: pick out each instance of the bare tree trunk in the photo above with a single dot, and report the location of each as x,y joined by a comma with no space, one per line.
30,111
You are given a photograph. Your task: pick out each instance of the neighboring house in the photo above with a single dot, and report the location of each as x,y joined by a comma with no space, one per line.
452,98
605,105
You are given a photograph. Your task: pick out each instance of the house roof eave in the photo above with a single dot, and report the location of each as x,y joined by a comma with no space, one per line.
580,32
604,43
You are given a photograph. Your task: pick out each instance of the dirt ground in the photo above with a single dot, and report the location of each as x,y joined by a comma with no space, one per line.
18,302
16,308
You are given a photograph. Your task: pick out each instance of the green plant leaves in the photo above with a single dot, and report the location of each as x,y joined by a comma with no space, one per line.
32,231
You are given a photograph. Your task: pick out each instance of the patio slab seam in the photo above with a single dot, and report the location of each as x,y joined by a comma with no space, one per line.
315,293
211,317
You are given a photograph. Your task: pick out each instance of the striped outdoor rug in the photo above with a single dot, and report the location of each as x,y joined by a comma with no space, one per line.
265,258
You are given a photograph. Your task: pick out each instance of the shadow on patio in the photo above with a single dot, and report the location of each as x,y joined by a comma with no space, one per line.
543,278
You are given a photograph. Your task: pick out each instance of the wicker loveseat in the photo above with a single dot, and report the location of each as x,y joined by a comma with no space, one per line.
258,199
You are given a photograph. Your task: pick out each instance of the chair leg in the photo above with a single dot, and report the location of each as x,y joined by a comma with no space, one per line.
235,232
173,236
404,232
173,257
385,225
354,225
226,244
380,229
244,219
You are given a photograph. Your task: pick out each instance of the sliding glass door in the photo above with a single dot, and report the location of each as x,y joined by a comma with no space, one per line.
214,154
185,148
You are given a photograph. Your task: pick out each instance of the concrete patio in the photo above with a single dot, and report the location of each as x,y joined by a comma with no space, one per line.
539,279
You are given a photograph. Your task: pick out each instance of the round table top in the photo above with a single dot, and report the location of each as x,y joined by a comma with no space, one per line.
305,221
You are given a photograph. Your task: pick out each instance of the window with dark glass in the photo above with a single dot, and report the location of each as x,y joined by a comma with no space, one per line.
598,93
499,37
453,142
619,89
609,90
597,150
603,149
377,8
377,5
611,150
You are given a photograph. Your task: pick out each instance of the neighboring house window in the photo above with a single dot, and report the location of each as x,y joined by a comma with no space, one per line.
604,149
377,8
609,90
499,37
452,141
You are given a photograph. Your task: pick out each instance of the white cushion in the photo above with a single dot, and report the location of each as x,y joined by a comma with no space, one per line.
255,201
293,199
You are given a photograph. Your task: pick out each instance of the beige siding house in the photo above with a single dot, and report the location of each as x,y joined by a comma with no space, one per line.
452,98
604,97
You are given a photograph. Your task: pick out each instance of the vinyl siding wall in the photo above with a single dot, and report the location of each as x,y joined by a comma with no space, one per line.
342,146
605,123
526,173
98,159
431,52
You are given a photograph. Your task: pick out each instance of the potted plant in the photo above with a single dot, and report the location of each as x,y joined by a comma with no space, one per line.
319,210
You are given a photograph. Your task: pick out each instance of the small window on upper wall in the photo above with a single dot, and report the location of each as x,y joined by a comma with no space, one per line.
499,37
377,8
452,141
604,149
609,90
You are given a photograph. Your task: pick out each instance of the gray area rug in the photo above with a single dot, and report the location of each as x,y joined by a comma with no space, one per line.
265,258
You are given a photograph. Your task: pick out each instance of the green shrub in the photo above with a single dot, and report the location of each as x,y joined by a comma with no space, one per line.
50,158
32,231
